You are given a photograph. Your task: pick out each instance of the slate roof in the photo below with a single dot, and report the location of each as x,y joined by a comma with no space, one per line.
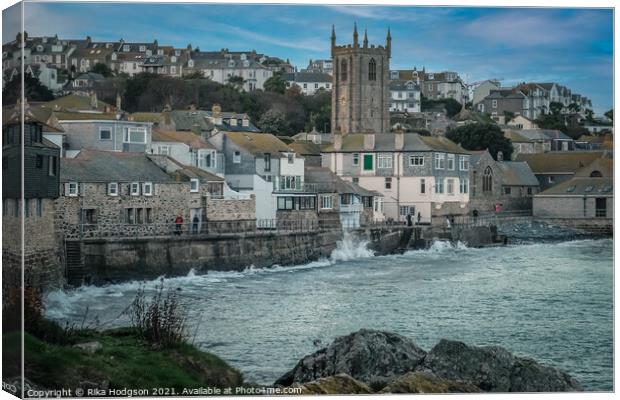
146,117
305,148
75,116
189,138
308,77
32,114
579,186
74,102
517,173
110,166
385,142
328,182
505,94
184,120
558,162
91,76
188,172
401,84
603,164
258,143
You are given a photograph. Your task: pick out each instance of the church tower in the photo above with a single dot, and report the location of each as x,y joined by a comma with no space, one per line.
360,89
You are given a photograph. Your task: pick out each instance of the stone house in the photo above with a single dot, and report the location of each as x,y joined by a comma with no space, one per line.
83,59
553,168
106,193
84,82
509,183
521,122
502,101
414,173
309,82
34,205
533,141
483,89
188,148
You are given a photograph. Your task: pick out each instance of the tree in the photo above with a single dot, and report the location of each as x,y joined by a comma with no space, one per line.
610,114
509,115
479,136
273,121
236,81
451,106
574,107
556,107
33,90
589,115
102,69
275,84
196,74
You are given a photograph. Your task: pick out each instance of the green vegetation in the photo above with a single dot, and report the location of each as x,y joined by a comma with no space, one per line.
556,120
275,84
102,69
451,106
33,90
610,114
123,360
480,137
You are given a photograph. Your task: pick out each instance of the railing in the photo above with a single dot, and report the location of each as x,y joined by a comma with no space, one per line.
487,219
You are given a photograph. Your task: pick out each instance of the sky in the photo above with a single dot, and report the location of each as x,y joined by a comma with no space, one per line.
573,47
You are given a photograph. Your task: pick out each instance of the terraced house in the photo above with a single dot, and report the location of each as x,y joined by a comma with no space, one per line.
414,173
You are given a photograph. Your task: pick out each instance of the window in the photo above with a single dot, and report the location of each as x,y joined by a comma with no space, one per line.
147,188
237,157
89,216
291,158
39,161
439,186
384,161
39,207
440,160
267,160
529,191
356,159
326,202
52,167
388,183
135,135
316,85
451,162
193,185
494,104
368,162
126,47
129,216
551,179
507,190
105,133
113,189
343,70
163,150
134,189
356,180
27,208
290,183
422,185
142,48
464,186
404,210
372,70
487,180
464,163
72,189
450,186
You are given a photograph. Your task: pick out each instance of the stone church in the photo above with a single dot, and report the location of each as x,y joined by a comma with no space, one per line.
360,94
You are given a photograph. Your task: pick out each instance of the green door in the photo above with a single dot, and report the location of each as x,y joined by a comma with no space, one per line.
368,162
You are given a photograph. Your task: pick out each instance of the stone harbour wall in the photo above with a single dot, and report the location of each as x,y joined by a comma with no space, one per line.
226,210
116,260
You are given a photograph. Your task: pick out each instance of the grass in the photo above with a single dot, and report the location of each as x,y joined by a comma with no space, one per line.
124,361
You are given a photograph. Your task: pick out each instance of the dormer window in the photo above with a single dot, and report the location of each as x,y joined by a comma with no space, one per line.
126,47
142,48
39,48
177,53
160,52
148,53
231,63
190,63
173,59
114,56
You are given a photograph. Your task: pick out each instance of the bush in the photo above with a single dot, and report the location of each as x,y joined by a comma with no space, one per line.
162,321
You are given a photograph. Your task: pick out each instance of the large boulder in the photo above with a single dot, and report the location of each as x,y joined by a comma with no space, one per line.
427,382
494,369
373,357
337,384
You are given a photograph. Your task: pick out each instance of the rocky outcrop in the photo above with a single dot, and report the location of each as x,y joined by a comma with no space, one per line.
373,357
337,384
395,364
494,369
427,382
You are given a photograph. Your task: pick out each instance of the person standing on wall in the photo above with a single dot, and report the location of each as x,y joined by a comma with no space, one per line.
179,224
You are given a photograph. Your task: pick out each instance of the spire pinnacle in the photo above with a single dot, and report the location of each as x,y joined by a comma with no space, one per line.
365,37
355,35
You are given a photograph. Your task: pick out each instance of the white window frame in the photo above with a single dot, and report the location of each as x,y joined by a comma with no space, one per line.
450,186
113,189
356,159
416,161
125,47
494,103
464,163
439,189
105,128
161,148
451,164
133,129
194,185
326,202
384,161
236,157
440,161
404,210
73,189
422,186
134,188
148,192
464,186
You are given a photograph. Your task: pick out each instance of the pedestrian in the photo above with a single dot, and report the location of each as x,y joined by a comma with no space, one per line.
195,225
179,224
448,222
419,217
409,220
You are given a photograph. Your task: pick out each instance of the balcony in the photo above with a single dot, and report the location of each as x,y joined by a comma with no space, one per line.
351,208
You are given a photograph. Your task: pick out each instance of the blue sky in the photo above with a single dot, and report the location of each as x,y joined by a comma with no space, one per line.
571,46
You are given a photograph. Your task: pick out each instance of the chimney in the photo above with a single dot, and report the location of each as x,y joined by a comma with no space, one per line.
337,141
216,110
369,141
399,140
93,99
500,156
118,102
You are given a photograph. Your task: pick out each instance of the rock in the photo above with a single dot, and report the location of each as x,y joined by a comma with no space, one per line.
89,347
373,357
427,382
338,384
494,369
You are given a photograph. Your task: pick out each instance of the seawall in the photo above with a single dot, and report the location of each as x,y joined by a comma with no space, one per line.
113,260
